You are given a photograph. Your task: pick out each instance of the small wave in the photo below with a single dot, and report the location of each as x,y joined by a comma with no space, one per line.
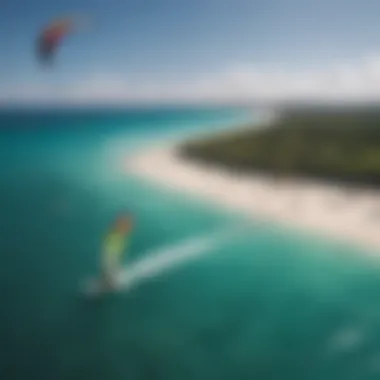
347,340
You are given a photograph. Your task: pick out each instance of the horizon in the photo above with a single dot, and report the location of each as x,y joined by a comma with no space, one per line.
258,106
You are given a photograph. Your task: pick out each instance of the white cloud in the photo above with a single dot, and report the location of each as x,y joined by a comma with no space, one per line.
358,81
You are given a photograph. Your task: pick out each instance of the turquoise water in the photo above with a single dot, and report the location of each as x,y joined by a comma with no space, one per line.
267,304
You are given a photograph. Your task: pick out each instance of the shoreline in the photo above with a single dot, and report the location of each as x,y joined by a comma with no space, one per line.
311,206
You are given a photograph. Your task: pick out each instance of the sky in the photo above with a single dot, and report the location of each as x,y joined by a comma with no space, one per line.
194,51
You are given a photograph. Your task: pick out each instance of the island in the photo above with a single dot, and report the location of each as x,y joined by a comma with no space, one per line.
341,146
311,170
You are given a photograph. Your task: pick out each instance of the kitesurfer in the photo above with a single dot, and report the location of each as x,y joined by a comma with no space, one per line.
114,245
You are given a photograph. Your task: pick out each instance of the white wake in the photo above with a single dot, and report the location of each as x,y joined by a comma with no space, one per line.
159,261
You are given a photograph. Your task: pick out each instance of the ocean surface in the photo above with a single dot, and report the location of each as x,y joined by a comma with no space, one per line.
262,303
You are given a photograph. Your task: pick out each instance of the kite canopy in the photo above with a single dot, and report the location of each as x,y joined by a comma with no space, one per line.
51,37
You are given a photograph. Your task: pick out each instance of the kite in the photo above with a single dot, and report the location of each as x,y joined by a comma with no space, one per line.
51,37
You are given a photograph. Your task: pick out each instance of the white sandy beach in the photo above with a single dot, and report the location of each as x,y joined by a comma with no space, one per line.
322,208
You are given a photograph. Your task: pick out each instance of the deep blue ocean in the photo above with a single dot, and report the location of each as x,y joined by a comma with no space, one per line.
266,304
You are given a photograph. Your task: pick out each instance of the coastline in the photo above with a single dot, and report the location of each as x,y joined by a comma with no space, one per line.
311,206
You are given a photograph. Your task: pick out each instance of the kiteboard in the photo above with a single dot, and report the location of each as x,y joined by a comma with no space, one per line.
95,287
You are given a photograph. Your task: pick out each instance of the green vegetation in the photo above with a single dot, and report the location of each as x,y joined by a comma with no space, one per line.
341,146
